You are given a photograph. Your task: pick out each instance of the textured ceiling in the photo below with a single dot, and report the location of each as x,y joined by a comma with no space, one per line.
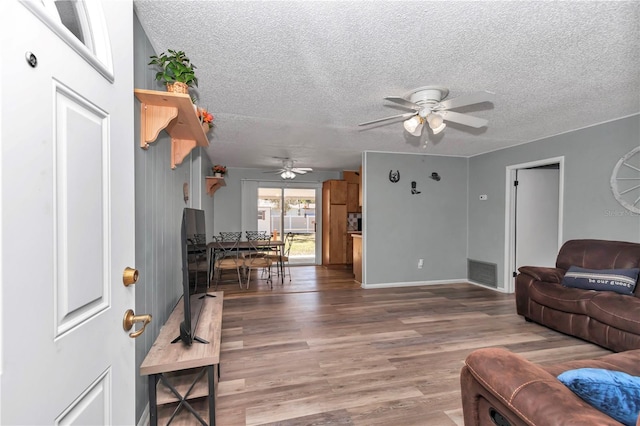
294,79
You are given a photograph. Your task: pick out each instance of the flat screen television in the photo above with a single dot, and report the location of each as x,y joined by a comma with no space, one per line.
193,243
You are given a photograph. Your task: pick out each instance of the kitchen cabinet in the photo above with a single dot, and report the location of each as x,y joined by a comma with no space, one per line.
352,198
334,223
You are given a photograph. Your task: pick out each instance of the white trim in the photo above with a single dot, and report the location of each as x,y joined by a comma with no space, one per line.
509,212
414,283
499,290
363,159
145,417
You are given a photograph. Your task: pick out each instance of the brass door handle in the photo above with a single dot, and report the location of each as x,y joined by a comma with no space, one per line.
129,276
130,318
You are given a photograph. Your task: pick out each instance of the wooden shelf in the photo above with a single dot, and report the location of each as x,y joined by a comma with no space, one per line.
213,183
174,113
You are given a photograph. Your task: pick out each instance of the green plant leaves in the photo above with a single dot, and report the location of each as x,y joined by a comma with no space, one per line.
175,66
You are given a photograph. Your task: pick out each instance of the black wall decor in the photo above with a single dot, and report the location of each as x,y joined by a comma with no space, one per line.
435,176
414,191
394,177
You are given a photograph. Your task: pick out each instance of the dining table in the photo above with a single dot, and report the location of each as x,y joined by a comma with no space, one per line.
244,245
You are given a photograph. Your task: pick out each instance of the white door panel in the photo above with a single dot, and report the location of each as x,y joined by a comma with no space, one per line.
67,225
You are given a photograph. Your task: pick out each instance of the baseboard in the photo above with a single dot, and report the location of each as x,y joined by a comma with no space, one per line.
144,419
433,282
414,283
499,290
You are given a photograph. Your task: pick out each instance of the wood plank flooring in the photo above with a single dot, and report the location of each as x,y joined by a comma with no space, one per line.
319,350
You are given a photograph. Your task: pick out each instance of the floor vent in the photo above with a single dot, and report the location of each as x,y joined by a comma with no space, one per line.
482,272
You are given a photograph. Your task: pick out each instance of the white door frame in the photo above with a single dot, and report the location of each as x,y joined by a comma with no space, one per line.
510,211
305,185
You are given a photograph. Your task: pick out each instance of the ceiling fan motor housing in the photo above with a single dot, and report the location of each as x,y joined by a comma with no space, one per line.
427,95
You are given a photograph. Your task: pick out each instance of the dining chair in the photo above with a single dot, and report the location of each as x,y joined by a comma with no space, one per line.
256,257
282,255
257,235
226,257
231,236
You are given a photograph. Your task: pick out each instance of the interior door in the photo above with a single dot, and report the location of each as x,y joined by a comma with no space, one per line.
67,219
537,207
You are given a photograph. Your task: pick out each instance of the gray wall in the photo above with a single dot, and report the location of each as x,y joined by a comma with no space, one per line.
159,203
400,228
590,209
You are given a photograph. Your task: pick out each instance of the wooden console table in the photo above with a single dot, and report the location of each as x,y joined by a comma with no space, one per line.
176,371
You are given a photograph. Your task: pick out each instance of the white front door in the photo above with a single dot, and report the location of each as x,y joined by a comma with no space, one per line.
67,216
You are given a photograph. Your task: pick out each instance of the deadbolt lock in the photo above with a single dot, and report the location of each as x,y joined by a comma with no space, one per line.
129,276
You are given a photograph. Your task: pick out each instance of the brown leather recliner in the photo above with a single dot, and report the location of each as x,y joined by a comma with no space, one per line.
503,388
606,318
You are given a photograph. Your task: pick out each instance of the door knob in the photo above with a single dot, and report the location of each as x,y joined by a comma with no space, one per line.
130,318
129,276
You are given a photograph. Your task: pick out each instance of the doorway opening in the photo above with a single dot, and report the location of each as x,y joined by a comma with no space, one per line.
283,210
533,217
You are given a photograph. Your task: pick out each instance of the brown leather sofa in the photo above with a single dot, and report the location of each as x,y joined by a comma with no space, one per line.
606,318
503,388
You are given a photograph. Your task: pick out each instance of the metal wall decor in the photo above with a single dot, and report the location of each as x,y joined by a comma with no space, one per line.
394,177
625,181
414,191
435,176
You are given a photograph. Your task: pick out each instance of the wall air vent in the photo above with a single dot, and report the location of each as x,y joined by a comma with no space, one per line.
482,272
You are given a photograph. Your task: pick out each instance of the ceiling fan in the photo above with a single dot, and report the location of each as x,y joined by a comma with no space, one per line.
288,171
429,105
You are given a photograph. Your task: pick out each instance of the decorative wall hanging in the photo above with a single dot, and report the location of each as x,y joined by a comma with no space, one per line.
414,191
435,176
625,181
394,177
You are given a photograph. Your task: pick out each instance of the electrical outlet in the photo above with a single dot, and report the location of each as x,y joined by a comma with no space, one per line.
483,197
420,263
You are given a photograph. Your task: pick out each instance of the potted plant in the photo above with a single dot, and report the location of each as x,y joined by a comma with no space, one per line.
176,70
219,171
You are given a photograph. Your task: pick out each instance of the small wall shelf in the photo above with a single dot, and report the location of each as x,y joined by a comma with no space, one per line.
174,113
213,183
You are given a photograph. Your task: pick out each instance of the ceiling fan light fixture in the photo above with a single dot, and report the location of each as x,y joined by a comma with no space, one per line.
288,174
414,125
436,123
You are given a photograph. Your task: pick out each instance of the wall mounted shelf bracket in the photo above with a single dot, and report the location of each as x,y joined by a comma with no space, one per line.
213,184
174,113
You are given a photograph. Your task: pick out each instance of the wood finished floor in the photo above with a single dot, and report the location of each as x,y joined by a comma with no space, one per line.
319,350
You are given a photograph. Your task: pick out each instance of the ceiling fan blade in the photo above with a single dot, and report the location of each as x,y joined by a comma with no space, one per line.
467,120
405,115
302,169
403,102
470,99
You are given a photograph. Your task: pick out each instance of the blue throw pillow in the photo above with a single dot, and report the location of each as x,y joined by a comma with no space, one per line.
619,280
615,393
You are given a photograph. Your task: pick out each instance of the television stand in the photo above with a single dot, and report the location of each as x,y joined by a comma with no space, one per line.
178,390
